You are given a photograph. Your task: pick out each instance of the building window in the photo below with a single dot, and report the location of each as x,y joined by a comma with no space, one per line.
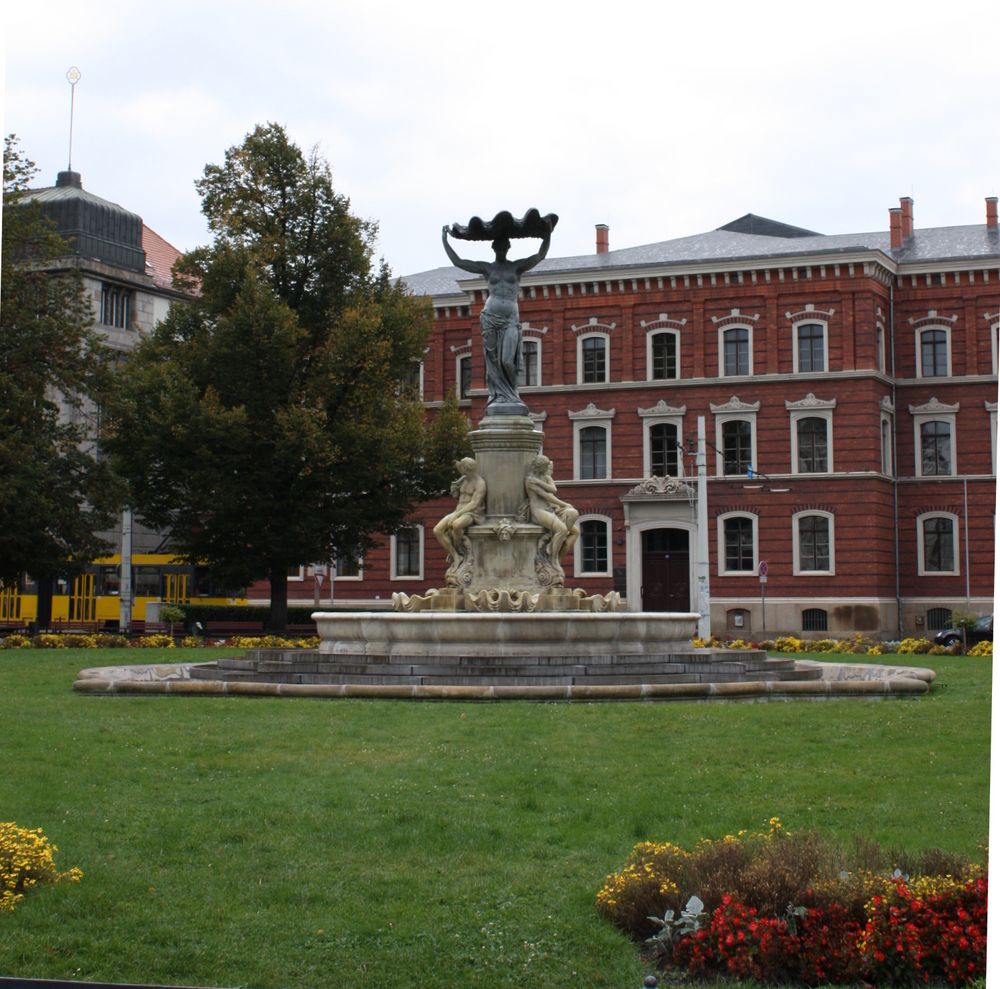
938,618
935,448
812,536
887,458
880,347
407,553
529,374
411,382
593,452
737,446
738,536
937,548
810,348
464,375
812,445
348,566
934,349
664,450
592,555
116,306
814,620
736,351
593,356
663,362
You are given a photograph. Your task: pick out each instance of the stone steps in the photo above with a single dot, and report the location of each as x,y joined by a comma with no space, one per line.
679,667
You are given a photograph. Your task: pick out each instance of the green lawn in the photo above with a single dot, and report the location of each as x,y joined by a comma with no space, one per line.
307,843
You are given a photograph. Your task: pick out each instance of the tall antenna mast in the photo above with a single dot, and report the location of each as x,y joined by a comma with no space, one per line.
73,77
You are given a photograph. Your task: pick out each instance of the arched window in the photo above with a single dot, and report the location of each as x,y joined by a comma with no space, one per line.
810,348
812,445
594,359
664,364
736,357
937,543
663,450
593,452
593,547
935,448
934,353
530,373
814,620
738,544
812,539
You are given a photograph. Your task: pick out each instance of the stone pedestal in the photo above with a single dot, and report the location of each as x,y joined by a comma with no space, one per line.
505,447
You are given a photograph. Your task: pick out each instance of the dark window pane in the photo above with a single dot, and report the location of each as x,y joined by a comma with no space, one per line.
939,545
811,355
593,452
736,351
664,347
594,351
663,450
408,552
812,443
739,544
935,448
594,546
737,455
814,543
934,353
528,374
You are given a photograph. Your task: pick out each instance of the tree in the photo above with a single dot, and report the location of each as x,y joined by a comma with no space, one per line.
267,424
55,496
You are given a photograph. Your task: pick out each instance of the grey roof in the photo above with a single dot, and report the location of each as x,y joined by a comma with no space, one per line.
730,244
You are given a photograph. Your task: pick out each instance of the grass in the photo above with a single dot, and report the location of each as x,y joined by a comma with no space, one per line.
297,843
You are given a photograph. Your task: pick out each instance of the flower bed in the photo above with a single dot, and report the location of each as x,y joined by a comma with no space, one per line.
777,907
111,640
855,645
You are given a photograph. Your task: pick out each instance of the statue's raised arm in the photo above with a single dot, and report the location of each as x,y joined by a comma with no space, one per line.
525,264
476,267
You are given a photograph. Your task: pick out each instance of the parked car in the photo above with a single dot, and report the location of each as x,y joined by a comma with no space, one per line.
982,630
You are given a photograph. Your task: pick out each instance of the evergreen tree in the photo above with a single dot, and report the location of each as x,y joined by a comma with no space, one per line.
55,495
268,424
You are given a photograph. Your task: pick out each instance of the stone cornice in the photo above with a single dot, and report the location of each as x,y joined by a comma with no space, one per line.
734,405
932,407
811,402
662,409
592,412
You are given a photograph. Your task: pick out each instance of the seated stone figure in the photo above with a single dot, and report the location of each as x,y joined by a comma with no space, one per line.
470,490
558,517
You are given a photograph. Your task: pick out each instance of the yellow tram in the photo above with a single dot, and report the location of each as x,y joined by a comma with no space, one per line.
94,596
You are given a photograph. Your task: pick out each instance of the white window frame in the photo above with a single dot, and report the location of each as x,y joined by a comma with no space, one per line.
796,326
797,569
880,362
360,575
606,337
300,576
592,416
647,442
796,417
721,544
578,428
392,554
921,569
991,410
723,330
657,331
919,420
578,570
995,343
720,458
459,358
886,425
918,343
538,344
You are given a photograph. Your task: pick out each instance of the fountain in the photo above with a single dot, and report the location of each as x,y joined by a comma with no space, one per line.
504,623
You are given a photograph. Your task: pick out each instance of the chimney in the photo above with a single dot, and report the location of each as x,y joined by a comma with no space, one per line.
991,213
895,227
602,237
906,205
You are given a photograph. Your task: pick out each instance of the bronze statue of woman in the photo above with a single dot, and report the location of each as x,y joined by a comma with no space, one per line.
499,320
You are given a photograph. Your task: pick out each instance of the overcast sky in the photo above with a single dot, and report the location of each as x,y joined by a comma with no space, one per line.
658,118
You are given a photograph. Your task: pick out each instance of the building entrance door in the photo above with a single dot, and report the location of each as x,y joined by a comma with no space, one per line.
666,570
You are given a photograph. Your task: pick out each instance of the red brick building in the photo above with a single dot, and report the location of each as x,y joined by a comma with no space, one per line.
848,387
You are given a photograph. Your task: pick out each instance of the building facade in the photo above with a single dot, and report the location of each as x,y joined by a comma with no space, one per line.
847,388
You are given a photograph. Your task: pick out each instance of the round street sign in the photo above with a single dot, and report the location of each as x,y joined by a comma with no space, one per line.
762,569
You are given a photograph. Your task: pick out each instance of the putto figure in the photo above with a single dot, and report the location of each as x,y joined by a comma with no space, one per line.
500,320
470,490
549,511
